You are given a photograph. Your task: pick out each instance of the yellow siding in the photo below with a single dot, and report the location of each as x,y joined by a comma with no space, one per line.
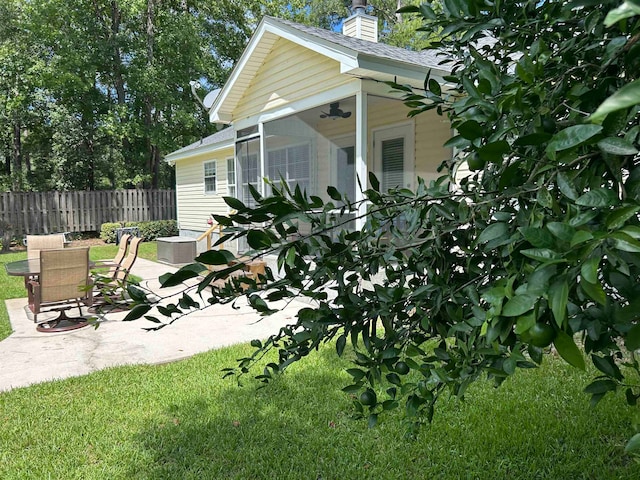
432,131
194,206
290,73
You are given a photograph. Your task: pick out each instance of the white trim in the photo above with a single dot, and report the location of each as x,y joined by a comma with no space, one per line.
362,130
214,162
172,158
405,130
235,176
335,94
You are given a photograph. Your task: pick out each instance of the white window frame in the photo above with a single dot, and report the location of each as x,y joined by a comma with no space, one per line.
389,132
232,185
309,147
206,176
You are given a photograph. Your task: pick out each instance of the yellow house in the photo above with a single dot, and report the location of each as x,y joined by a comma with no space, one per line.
310,106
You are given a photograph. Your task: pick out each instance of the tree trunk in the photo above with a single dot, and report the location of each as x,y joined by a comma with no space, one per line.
17,158
148,102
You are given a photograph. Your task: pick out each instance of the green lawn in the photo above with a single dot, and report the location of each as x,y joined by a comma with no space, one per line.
183,421
13,287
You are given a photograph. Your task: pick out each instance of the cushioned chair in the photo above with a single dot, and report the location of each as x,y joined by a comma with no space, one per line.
110,291
114,265
63,283
37,243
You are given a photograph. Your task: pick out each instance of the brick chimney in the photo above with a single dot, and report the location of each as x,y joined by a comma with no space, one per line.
360,25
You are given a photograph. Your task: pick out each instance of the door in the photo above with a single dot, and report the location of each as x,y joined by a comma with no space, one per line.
394,162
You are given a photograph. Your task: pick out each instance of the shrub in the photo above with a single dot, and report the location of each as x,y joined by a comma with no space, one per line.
150,231
108,232
6,235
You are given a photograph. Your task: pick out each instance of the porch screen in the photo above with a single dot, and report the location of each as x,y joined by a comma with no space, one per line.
392,163
291,164
248,153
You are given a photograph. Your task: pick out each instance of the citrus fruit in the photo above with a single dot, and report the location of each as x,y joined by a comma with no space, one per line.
368,397
541,334
402,368
475,162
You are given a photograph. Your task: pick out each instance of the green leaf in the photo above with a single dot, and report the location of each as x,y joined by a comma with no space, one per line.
566,186
137,312
234,203
334,193
626,97
617,146
626,10
633,444
542,255
632,339
563,231
493,231
600,386
537,237
373,180
216,257
568,350
625,242
494,151
558,299
524,323
594,291
571,137
589,270
619,216
607,366
258,239
581,236
519,305
340,344
598,197
470,130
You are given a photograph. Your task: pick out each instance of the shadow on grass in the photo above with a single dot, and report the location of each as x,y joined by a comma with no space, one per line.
299,427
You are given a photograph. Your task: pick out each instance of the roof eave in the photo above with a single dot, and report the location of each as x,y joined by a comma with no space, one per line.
174,157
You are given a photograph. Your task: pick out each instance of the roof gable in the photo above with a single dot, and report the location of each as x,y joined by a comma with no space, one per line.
357,58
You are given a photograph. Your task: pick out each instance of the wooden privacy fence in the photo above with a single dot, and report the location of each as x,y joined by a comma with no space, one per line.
53,212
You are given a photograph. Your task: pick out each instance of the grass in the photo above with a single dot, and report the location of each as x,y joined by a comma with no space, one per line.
13,287
181,420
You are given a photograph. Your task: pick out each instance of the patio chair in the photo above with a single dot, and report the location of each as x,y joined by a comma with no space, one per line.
114,264
37,243
110,291
62,284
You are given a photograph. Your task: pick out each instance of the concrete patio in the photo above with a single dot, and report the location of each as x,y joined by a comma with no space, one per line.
28,357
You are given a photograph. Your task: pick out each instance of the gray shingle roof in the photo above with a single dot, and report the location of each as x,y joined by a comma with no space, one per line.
425,58
218,137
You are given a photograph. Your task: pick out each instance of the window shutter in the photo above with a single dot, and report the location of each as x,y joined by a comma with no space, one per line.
392,163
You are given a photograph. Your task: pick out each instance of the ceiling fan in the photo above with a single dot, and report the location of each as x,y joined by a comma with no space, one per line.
335,112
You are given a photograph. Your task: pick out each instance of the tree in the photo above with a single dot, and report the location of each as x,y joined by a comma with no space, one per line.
538,246
94,93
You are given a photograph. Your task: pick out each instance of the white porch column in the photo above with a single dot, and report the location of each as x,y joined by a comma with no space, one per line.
262,188
361,154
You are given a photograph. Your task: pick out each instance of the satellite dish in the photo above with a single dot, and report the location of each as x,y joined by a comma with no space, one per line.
210,98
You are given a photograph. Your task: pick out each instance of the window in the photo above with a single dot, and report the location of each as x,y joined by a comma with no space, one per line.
290,164
231,177
210,177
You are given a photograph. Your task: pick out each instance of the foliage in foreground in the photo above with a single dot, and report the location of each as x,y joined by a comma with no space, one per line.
539,246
